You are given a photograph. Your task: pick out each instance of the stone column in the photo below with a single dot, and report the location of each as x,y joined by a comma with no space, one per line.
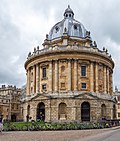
40,77
105,90
28,81
108,81
91,77
37,78
34,79
75,76
69,75
50,76
96,76
56,76
111,83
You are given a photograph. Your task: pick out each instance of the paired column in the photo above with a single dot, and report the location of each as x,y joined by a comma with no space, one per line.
75,75
28,81
91,77
108,87
56,76
111,83
50,76
96,77
37,78
105,80
34,79
69,75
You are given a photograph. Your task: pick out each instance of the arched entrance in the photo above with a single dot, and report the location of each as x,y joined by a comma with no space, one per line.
103,111
41,111
85,111
28,113
13,118
62,111
114,111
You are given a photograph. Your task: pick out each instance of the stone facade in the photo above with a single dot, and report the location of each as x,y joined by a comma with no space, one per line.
10,107
70,79
117,95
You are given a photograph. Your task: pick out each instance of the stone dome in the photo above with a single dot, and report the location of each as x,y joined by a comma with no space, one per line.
68,25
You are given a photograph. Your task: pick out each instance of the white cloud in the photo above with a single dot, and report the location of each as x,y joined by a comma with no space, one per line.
14,59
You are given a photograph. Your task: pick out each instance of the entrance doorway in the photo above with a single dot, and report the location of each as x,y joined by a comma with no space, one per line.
13,118
85,111
41,111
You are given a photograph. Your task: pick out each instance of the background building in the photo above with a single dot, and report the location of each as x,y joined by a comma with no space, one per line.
70,79
10,107
117,95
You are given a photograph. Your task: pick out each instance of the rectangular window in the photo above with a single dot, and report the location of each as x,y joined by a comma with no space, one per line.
44,72
83,86
44,87
83,70
118,114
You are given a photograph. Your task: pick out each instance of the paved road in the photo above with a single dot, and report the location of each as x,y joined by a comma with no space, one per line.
112,135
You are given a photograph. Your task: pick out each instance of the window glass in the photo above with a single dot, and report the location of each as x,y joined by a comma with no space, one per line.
44,86
83,70
44,72
83,85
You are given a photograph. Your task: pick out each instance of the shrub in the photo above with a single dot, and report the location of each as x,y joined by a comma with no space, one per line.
40,125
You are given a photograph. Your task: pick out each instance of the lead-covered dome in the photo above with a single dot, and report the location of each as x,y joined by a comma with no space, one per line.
68,25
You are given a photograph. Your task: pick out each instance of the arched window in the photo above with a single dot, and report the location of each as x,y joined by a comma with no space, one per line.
62,111
66,15
41,111
103,111
85,111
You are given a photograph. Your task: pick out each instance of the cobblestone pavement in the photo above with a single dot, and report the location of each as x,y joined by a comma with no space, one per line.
72,135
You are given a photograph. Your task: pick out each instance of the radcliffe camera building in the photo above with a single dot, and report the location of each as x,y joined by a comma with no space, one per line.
70,79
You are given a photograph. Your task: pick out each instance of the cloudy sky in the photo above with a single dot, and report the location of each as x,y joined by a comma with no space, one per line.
24,24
